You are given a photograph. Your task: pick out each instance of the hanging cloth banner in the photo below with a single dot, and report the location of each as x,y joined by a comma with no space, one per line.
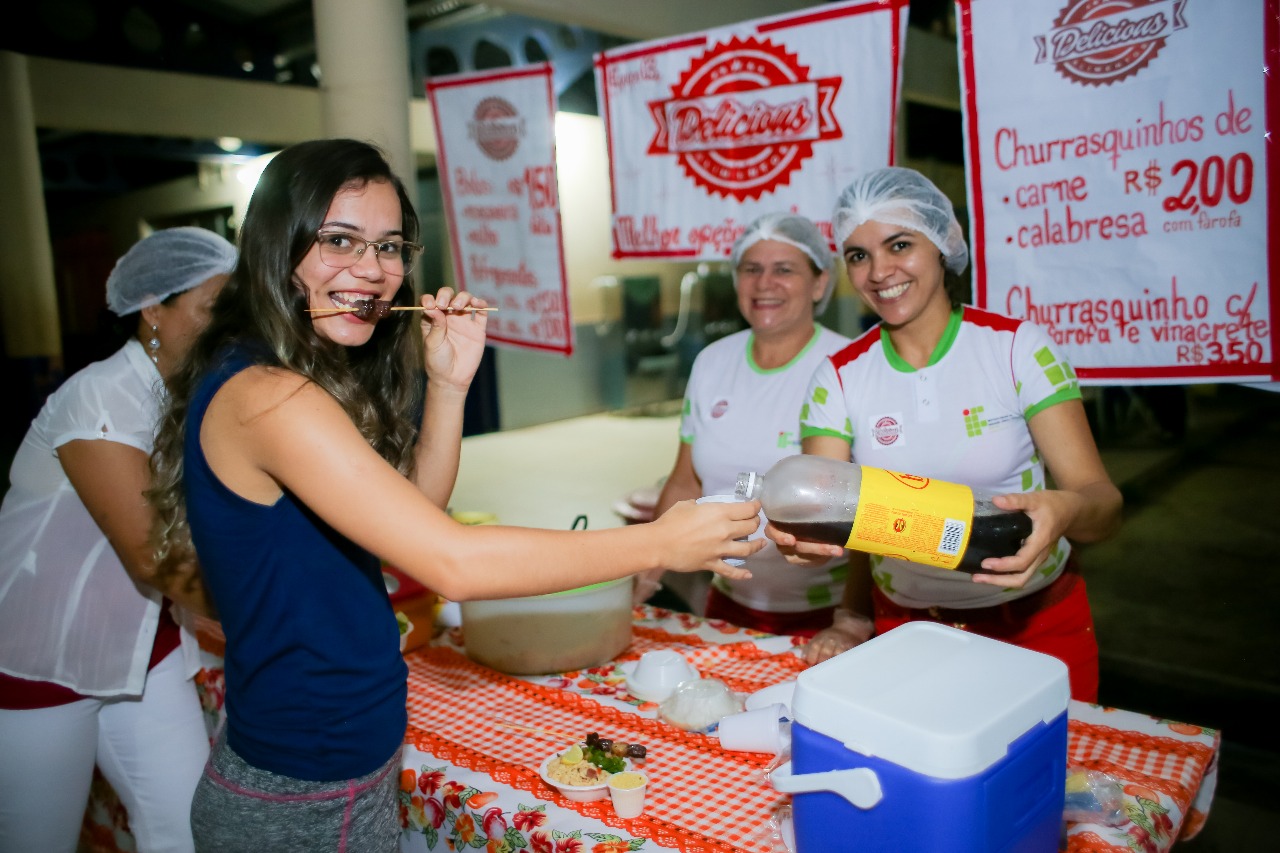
496,156
708,131
1122,190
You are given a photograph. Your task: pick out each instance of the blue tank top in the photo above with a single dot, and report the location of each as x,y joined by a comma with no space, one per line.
316,686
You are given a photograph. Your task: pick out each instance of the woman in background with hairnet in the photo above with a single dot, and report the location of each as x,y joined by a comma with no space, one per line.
945,390
741,410
93,667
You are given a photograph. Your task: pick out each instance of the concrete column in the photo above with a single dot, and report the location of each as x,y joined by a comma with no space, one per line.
363,53
28,295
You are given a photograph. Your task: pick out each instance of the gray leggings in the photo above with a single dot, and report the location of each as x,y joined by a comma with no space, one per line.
238,807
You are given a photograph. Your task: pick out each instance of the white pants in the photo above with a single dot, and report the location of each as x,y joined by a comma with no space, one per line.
152,750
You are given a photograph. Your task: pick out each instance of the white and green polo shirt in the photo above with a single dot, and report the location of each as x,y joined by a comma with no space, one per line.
963,418
740,417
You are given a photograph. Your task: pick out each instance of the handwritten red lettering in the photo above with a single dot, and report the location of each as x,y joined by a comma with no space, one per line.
481,270
1073,228
629,237
720,237
1011,151
1047,192
469,182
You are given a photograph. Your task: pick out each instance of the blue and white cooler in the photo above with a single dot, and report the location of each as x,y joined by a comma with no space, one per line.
929,739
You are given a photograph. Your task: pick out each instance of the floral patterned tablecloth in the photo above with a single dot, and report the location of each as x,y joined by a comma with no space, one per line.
470,781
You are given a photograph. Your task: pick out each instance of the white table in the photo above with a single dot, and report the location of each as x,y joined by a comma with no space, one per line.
546,475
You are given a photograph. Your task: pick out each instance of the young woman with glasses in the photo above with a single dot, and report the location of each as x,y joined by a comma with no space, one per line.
291,459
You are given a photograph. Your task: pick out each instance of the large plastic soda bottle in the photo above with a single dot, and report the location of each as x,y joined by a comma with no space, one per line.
921,519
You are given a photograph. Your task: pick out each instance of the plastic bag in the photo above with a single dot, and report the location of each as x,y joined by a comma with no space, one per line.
778,834
1093,797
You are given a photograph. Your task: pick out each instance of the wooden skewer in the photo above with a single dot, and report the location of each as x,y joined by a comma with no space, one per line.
336,310
537,731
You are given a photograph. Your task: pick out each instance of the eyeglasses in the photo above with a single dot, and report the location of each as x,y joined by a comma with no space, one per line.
340,249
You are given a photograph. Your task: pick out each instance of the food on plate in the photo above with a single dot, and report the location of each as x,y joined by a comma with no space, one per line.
592,761
576,771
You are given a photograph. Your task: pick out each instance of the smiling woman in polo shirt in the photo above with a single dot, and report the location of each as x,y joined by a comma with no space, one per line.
948,391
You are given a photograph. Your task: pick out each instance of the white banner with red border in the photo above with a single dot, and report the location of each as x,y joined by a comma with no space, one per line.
496,156
708,131
1122,189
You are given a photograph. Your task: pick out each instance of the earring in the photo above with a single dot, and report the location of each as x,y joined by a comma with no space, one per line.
154,345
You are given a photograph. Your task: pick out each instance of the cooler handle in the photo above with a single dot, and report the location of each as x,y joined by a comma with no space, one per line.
859,786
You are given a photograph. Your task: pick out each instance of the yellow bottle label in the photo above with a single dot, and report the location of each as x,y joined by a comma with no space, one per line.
914,518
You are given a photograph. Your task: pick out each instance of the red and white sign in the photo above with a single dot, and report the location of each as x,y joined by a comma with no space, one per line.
708,131
1122,191
496,153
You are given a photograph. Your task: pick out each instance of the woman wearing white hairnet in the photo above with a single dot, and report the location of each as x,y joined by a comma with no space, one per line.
93,667
740,414
947,391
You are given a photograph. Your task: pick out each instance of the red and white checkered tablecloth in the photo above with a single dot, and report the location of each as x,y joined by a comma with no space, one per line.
703,798
470,783
700,798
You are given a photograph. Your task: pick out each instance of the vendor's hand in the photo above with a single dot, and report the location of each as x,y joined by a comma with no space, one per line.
1051,512
698,536
452,337
848,629
801,553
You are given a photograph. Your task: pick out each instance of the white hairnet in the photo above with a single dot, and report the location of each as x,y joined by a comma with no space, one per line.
794,230
165,262
906,198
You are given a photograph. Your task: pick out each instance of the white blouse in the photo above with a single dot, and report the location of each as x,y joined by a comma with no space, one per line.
71,614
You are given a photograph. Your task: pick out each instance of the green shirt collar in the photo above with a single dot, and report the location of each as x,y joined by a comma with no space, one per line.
751,359
898,363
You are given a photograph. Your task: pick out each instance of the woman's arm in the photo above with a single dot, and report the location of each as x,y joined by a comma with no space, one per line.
1084,505
452,348
110,479
439,443
268,430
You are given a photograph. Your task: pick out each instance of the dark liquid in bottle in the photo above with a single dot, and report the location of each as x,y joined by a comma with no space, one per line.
997,535
992,536
831,532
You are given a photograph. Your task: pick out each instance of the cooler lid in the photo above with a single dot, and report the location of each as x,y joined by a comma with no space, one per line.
931,698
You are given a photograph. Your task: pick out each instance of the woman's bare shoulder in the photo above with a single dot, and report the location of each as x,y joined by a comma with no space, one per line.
262,390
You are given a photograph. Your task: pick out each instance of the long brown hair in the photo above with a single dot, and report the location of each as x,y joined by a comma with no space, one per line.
264,309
